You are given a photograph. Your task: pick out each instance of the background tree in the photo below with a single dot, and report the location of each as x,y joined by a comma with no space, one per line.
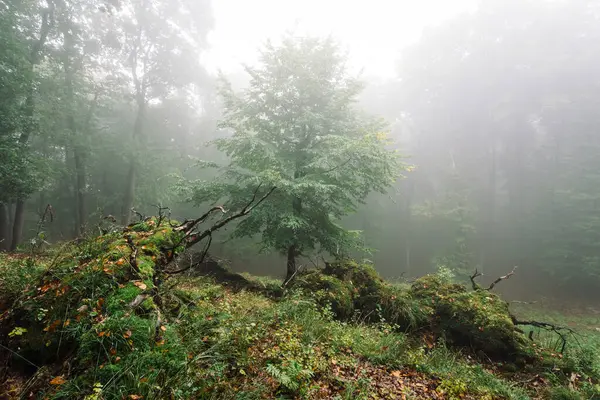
296,127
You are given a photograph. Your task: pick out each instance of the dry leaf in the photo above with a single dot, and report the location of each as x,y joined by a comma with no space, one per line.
163,328
127,334
59,380
141,285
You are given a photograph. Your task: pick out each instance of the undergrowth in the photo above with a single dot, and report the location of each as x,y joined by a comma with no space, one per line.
92,321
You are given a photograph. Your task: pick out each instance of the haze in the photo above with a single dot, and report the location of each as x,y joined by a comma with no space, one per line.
372,31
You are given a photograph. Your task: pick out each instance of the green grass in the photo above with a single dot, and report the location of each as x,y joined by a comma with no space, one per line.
200,339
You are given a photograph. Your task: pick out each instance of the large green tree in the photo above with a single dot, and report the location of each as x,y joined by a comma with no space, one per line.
297,127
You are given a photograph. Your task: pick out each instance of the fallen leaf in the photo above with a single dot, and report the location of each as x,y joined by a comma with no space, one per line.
141,285
163,328
127,334
59,380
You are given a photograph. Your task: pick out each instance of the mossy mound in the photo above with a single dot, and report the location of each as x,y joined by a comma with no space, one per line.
476,319
328,291
93,311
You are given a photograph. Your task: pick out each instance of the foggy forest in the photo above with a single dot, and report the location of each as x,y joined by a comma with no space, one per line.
227,199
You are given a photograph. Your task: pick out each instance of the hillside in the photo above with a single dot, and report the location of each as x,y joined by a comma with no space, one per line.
107,318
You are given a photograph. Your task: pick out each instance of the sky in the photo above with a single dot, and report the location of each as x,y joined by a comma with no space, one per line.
373,32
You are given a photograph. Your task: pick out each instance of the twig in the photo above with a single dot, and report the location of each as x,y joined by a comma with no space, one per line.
139,214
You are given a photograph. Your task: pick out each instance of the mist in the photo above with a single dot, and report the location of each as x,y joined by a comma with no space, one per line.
491,103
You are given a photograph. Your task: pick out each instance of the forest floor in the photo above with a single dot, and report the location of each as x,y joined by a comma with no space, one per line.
212,339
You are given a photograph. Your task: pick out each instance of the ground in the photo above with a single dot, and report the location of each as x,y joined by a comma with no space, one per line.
103,320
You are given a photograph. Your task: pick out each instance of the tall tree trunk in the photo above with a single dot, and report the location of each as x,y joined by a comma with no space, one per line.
4,227
291,263
293,252
29,109
138,128
78,156
17,231
129,194
488,237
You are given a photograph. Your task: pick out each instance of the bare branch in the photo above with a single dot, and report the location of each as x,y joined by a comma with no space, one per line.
475,275
202,257
511,273
192,240
561,331
191,236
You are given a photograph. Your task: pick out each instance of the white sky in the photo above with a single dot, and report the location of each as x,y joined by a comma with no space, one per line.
372,31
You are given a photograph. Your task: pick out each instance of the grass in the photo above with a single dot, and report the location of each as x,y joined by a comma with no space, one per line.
196,338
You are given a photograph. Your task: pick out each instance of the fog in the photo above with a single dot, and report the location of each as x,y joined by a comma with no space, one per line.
107,106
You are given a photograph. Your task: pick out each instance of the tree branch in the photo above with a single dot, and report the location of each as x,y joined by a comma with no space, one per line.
192,240
561,331
477,274
511,273
191,236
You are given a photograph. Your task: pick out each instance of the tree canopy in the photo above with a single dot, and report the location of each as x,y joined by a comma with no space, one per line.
297,127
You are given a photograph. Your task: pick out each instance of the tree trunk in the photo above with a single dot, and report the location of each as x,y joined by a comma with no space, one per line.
17,231
4,227
138,128
291,263
78,157
29,109
129,195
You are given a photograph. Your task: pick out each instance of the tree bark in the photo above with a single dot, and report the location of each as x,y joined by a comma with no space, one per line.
29,109
291,263
4,227
78,156
138,128
17,231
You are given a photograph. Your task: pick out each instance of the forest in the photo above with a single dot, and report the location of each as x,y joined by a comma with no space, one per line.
297,228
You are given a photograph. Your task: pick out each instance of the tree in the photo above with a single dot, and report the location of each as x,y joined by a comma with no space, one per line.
297,128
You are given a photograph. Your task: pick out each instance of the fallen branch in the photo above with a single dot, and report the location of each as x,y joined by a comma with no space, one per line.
191,236
561,331
477,274
511,273
134,252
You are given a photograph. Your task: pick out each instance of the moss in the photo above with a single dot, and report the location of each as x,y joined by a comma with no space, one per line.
145,265
328,291
367,286
477,319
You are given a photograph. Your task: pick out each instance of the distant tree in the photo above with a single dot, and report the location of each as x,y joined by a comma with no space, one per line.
297,128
